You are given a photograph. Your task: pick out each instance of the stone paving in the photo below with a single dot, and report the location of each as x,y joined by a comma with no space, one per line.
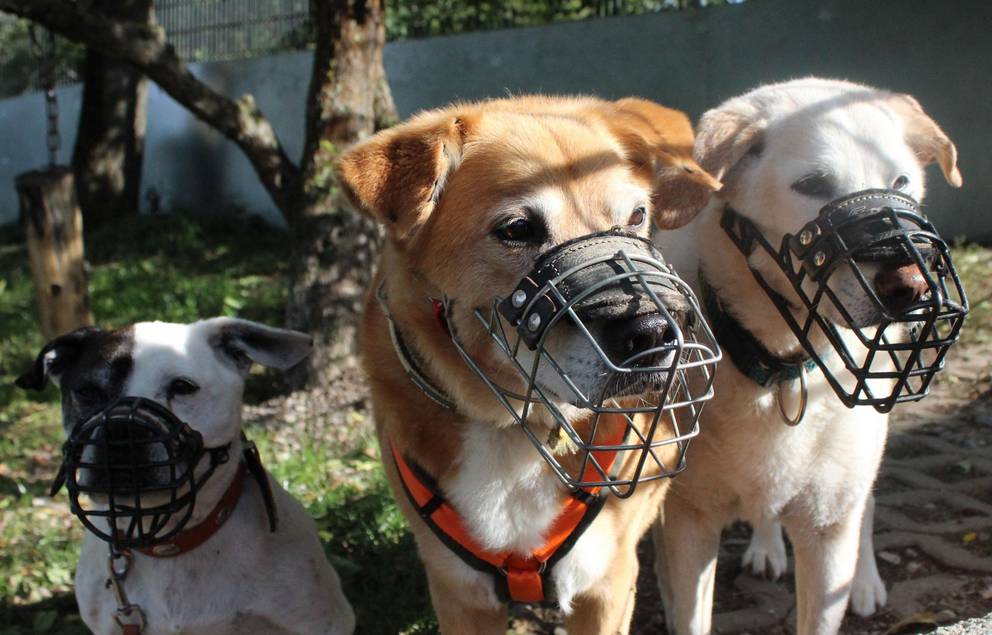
933,530
933,540
933,524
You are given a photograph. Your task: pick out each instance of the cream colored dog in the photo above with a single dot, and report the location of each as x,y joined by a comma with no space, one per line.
783,151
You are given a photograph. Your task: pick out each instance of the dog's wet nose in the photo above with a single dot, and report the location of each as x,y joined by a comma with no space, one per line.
638,337
900,286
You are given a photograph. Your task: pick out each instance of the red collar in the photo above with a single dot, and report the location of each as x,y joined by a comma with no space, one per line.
437,306
518,578
189,539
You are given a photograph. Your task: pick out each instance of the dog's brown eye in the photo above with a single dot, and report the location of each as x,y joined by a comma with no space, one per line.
518,230
182,386
637,216
901,182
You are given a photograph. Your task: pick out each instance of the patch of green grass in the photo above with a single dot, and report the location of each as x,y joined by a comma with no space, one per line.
974,264
365,536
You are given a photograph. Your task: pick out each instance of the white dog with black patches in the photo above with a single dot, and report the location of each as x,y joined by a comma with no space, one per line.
245,578
784,151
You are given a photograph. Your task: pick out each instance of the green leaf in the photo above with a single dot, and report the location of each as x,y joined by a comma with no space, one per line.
44,621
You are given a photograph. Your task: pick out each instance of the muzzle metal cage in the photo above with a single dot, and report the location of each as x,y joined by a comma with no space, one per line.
892,355
636,410
130,472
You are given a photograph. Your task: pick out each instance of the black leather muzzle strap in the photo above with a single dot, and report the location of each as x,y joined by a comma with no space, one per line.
868,226
596,276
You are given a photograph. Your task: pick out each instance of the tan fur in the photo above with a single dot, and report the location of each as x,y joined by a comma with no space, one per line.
438,183
927,139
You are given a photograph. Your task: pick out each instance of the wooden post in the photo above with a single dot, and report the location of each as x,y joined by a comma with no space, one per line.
54,228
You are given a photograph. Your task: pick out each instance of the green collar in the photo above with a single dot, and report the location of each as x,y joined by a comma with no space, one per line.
745,351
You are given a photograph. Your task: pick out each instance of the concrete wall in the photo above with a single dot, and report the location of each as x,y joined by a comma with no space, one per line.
938,51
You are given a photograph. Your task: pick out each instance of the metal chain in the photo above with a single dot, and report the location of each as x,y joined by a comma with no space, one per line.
128,616
46,62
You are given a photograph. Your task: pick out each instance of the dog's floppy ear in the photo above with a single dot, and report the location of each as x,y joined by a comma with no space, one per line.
244,342
397,175
724,136
927,140
55,357
660,139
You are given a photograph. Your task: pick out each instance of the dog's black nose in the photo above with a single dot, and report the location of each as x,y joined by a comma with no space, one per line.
898,287
645,337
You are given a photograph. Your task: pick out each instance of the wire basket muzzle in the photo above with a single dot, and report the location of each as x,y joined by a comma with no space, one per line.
877,343
130,472
613,360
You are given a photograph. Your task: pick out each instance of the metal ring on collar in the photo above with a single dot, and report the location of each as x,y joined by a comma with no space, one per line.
803,399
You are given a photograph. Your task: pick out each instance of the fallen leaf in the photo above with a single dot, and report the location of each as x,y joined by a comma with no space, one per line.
907,625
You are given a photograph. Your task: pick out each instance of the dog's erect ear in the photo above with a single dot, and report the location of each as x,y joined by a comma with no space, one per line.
724,136
244,342
661,139
397,175
55,357
927,140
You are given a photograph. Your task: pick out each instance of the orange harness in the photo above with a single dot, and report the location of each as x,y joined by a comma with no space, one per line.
518,578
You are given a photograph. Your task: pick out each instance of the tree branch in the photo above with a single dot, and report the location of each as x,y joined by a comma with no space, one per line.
145,46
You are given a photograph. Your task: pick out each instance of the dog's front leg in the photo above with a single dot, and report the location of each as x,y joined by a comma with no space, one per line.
459,612
868,590
765,555
686,544
825,561
607,608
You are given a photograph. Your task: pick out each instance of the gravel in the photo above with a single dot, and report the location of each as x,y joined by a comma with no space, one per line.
976,626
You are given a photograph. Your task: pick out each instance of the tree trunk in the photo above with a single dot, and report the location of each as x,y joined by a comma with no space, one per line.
54,230
110,140
349,97
335,249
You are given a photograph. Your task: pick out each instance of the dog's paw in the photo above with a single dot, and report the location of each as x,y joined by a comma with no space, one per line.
867,594
765,555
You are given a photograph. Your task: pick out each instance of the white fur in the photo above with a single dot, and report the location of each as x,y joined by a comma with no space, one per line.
508,501
244,579
814,479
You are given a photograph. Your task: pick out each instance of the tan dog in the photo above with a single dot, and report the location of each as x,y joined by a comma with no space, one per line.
469,196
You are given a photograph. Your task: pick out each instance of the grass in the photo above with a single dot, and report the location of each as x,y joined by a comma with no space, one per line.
173,268
974,264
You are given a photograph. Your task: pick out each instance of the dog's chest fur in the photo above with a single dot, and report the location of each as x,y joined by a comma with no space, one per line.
508,499
764,468
243,579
